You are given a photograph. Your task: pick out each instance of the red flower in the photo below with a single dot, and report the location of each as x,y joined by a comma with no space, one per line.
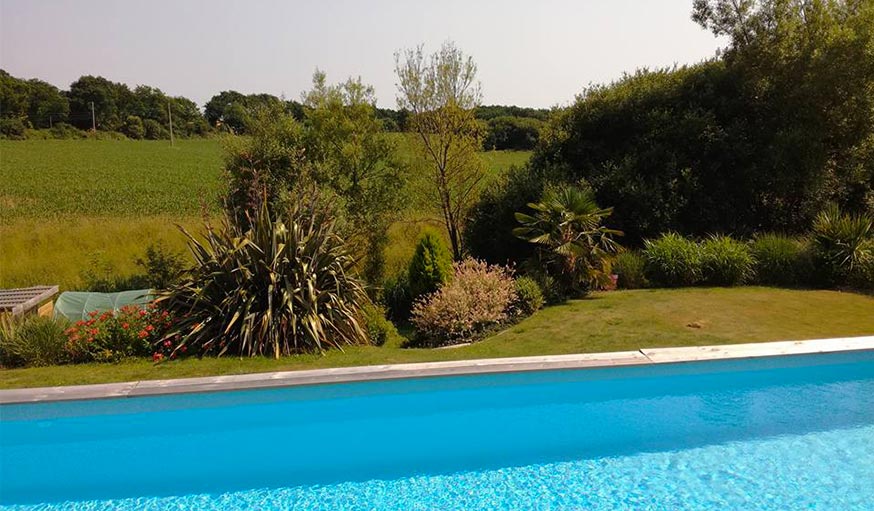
167,344
143,334
149,328
125,326
157,357
94,331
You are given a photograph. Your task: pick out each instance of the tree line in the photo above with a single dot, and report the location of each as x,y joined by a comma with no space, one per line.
144,112
762,137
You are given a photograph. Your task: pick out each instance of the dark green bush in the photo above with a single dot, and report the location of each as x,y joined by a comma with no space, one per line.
397,297
133,127
513,133
553,292
725,261
105,135
101,276
488,232
32,341
780,260
13,129
431,265
161,267
153,130
379,328
672,261
64,131
529,296
630,266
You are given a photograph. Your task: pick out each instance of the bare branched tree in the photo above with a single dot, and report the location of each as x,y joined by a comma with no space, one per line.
441,93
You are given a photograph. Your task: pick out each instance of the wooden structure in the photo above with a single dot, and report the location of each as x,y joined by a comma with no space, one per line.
28,300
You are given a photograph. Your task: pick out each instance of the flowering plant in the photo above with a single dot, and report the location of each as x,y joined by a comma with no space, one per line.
111,336
478,297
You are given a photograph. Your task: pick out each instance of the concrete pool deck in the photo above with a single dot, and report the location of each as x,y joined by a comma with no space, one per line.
642,357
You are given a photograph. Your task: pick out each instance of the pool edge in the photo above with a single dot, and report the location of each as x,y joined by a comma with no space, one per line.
643,356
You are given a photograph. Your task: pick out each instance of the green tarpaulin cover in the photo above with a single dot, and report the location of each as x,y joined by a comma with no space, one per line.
75,305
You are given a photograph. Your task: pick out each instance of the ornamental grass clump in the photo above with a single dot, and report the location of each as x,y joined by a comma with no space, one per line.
29,341
725,261
479,296
278,285
630,268
673,261
780,260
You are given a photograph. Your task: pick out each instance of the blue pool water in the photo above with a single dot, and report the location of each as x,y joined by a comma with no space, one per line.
778,433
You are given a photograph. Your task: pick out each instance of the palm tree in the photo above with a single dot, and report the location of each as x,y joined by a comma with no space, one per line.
575,248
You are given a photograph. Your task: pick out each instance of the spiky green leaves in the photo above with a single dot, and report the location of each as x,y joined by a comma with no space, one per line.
281,286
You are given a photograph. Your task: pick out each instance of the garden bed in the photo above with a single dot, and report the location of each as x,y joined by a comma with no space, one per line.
612,321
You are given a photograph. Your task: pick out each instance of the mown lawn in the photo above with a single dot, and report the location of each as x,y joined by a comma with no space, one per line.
614,321
70,205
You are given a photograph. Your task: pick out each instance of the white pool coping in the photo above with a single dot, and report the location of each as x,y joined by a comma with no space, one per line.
642,357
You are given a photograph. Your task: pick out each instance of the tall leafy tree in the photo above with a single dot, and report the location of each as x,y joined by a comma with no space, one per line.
110,101
353,157
14,96
808,77
441,93
46,105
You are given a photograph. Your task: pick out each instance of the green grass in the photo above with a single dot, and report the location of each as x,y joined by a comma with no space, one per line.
615,321
64,179
65,204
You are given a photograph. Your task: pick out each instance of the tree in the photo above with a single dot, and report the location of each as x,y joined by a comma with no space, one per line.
430,267
515,133
109,98
232,110
264,166
46,105
353,157
14,97
575,248
226,109
807,69
441,93
133,127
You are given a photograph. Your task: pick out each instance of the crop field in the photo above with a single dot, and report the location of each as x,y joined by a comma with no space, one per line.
70,205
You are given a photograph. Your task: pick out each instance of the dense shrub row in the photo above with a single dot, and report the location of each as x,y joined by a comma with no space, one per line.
838,252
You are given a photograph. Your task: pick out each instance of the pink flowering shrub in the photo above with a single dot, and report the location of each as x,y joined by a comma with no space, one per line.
111,336
478,296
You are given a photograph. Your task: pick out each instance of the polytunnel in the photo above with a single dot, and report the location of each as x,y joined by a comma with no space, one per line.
75,305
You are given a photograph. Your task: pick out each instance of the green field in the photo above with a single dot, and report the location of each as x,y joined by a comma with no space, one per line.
67,205
612,321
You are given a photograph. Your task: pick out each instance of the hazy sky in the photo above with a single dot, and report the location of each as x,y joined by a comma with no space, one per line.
529,52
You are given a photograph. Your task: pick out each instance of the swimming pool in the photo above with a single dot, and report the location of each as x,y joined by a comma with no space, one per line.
770,433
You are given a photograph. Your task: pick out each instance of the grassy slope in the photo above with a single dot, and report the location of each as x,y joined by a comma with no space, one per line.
65,204
616,321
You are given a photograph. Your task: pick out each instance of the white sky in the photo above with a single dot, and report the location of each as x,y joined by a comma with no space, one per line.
530,53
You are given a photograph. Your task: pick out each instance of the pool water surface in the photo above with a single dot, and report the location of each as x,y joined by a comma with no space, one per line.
773,433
